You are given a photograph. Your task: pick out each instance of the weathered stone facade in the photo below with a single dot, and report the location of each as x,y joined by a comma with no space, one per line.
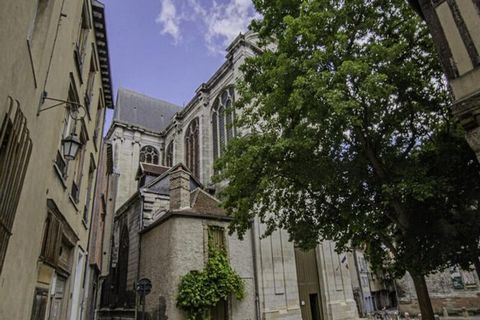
273,278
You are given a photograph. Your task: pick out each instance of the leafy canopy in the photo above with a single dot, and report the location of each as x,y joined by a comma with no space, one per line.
350,138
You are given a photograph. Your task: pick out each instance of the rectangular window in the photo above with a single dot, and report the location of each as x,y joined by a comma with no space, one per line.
69,129
216,237
52,239
15,151
90,82
84,29
98,122
78,174
91,178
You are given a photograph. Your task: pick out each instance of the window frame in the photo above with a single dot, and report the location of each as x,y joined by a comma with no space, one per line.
192,147
222,120
143,152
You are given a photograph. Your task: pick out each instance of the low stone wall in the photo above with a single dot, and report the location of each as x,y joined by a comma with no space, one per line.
453,305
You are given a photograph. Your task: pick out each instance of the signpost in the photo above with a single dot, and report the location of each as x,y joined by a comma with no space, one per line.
144,287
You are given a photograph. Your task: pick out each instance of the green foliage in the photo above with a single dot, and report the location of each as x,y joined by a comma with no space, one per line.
199,291
350,137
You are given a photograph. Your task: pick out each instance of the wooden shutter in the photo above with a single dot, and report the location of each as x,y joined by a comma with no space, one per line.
15,150
39,304
217,237
52,240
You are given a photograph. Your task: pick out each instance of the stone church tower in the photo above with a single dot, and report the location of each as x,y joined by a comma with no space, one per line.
149,137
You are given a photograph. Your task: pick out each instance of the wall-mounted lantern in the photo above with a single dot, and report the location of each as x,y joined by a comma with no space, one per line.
71,144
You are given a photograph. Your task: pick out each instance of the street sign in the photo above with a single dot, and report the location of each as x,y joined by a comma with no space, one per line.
144,286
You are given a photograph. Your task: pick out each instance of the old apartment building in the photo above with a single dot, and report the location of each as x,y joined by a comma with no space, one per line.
454,27
54,89
162,164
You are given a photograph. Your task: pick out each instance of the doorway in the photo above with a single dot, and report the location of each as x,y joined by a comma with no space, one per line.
308,284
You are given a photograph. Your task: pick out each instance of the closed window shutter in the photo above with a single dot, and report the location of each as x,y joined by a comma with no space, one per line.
52,240
15,151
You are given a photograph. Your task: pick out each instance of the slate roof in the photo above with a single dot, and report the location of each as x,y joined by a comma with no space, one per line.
203,203
151,169
139,110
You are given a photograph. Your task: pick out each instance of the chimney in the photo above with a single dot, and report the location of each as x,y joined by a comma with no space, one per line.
179,189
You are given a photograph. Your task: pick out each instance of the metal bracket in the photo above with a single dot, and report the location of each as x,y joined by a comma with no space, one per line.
73,105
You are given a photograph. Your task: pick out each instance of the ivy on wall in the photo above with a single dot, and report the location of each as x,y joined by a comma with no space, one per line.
200,291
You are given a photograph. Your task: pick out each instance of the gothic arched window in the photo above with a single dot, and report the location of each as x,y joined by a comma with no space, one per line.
222,121
169,155
191,147
149,154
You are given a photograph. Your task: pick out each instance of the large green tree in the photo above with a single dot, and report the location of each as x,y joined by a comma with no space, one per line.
349,137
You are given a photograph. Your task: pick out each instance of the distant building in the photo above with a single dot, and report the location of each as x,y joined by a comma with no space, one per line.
372,290
54,59
359,270
452,291
153,238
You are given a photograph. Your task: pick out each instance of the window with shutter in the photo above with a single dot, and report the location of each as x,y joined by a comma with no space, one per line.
52,240
15,151
216,238
40,299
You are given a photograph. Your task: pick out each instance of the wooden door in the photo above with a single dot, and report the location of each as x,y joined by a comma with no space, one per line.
308,284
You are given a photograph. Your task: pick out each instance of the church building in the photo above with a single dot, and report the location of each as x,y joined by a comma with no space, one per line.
162,159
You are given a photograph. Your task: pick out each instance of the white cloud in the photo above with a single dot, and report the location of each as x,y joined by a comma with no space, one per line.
219,22
169,20
226,21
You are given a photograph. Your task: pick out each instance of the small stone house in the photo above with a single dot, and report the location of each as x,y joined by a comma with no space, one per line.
177,242
162,234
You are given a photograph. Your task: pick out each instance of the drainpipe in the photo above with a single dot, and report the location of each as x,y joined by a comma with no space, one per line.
140,228
255,270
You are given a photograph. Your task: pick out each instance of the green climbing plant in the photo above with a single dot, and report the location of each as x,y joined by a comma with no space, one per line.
200,291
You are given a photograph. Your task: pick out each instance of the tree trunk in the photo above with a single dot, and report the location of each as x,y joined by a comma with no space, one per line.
423,297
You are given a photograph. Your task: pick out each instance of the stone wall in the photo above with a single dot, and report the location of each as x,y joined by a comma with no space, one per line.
178,246
442,292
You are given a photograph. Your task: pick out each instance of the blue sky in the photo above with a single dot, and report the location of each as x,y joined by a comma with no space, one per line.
167,48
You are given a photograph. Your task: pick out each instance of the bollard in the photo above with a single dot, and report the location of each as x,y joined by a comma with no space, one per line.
444,312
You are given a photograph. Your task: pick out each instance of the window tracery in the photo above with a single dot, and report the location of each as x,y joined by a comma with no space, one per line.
222,121
149,154
192,147
169,155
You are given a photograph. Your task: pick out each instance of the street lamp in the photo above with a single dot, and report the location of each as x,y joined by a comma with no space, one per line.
71,144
